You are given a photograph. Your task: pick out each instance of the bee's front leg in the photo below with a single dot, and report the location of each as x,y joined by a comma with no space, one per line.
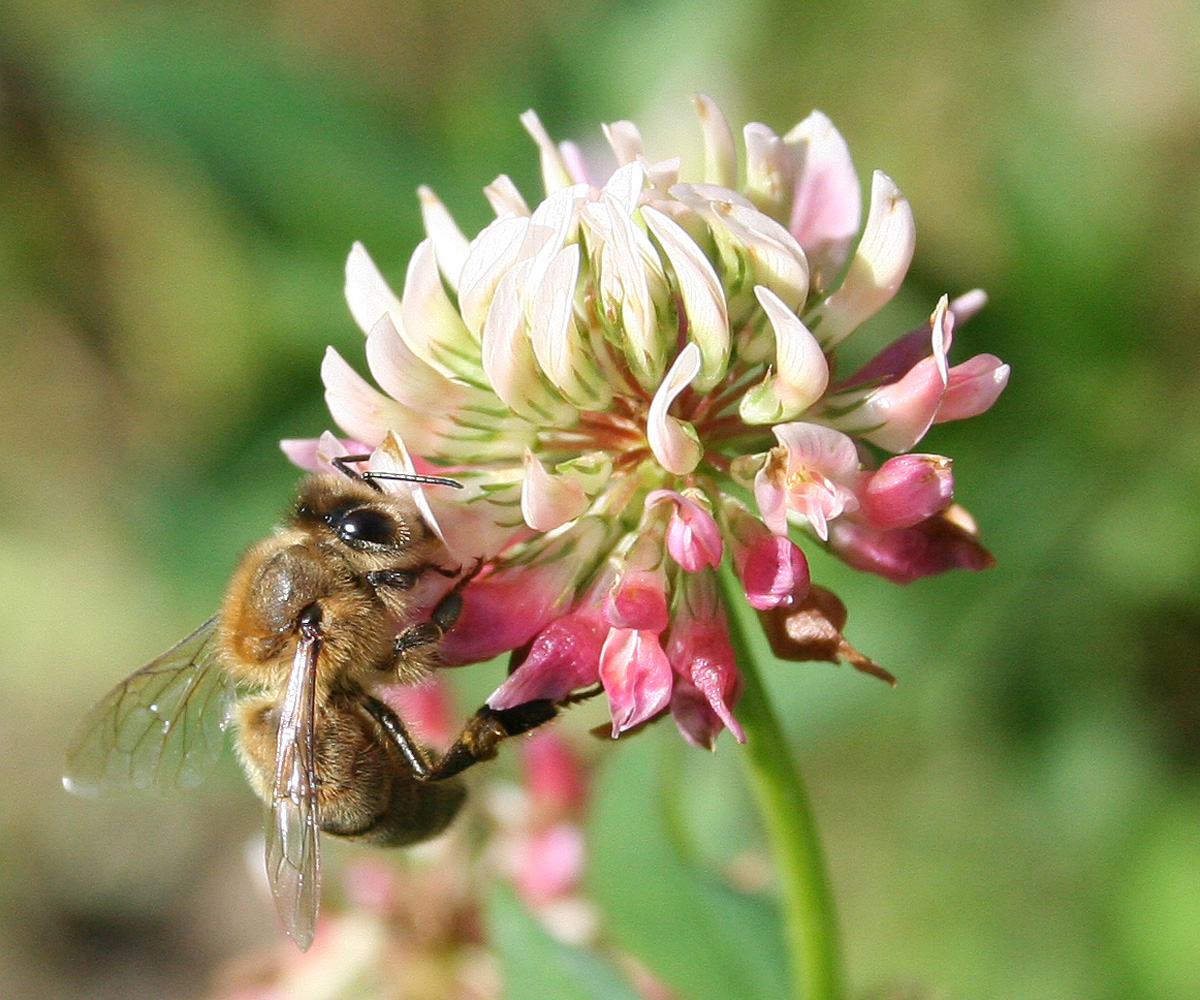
441,619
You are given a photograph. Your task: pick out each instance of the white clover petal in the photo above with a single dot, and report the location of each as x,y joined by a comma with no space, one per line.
505,199
492,253
625,140
720,155
362,411
549,501
555,173
801,371
628,275
877,268
450,246
404,376
674,442
508,359
625,186
770,171
367,293
775,258
431,325
701,293
559,346
827,201
662,174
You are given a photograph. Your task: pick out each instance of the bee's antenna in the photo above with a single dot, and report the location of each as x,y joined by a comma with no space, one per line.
342,464
413,477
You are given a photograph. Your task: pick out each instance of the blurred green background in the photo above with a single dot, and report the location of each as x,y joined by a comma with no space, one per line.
179,186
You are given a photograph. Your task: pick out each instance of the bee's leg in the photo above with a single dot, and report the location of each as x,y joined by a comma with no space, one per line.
441,619
411,750
479,740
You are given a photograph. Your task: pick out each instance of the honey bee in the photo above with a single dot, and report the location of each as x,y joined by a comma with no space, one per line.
315,618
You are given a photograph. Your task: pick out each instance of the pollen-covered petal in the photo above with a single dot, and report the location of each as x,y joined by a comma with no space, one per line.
367,293
636,676
564,657
555,172
450,246
430,323
801,372
826,203
674,442
877,268
701,294
770,171
548,500
362,411
906,489
972,388
808,474
720,155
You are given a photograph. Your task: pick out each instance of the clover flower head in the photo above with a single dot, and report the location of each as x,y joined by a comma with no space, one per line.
635,376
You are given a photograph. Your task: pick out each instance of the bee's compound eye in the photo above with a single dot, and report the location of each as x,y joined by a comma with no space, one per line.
365,526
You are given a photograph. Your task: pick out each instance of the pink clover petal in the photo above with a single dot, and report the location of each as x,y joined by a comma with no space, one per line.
548,864
309,453
973,387
637,601
774,572
812,467
827,199
693,538
554,775
694,717
906,489
636,675
896,416
564,657
902,555
427,707
505,610
700,653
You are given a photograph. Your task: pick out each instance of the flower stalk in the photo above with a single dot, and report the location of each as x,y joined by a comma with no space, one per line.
810,925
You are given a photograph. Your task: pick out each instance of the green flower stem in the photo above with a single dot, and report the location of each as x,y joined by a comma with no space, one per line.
787,816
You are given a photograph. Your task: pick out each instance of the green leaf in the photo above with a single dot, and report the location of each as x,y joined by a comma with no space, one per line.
536,966
708,941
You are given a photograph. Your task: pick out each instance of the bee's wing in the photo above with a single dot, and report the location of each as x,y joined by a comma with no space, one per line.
293,827
161,728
